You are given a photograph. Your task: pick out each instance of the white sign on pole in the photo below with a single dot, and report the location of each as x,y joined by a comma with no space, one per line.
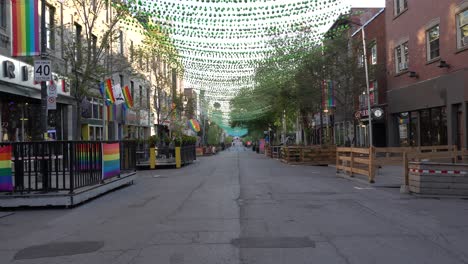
42,71
52,90
51,103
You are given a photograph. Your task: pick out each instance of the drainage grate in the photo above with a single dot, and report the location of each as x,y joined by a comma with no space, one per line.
273,242
59,249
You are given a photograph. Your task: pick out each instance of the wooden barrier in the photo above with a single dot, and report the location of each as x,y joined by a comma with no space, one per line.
356,161
308,155
365,161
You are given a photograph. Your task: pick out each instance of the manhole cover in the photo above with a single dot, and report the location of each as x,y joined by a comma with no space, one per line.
273,242
59,249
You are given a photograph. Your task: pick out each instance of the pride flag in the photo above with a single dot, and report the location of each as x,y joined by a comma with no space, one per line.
110,160
6,176
25,28
128,97
194,125
109,93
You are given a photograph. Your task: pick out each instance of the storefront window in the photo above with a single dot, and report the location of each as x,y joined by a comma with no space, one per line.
433,127
414,135
403,125
20,121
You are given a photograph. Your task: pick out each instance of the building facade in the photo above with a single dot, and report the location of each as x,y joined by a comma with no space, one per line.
125,62
376,61
427,72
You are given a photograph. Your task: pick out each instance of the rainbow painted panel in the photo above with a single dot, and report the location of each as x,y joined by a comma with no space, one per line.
6,176
110,160
88,157
25,28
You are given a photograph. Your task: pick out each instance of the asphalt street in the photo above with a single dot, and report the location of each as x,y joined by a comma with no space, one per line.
241,207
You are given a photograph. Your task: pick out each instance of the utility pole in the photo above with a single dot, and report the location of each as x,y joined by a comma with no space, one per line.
43,83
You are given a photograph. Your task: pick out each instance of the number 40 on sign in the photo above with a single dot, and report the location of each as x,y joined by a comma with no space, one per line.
42,71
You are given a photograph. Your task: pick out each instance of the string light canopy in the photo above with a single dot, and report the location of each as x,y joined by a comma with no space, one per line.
221,43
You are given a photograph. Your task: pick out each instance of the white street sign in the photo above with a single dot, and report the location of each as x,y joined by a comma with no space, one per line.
51,103
42,71
52,90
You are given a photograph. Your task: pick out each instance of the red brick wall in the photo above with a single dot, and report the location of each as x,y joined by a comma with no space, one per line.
375,33
412,24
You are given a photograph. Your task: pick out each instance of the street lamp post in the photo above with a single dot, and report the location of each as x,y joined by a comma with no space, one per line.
367,86
367,79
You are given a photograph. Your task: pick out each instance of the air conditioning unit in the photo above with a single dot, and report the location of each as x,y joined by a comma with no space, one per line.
465,41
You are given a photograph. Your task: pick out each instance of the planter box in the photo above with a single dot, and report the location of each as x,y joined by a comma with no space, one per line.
438,178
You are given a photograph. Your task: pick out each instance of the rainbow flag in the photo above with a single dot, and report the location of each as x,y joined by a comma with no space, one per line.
328,98
110,160
25,28
194,125
111,112
109,93
6,175
128,97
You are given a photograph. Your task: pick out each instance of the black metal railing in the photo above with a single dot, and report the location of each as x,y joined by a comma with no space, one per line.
188,154
63,165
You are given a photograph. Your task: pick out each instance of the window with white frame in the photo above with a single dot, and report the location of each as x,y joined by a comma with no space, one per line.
400,6
401,57
462,21
96,108
49,23
373,53
432,38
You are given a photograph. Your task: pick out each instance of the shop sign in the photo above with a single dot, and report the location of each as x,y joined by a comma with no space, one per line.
377,113
19,73
131,117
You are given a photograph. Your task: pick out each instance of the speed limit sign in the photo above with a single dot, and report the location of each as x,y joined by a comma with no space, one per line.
42,71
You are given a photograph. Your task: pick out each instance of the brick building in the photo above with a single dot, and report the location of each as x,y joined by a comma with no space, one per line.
376,61
427,72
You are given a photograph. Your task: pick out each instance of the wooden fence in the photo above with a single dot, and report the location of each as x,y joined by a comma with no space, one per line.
308,155
365,161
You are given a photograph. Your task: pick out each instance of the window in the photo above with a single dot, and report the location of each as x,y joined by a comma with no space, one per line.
401,57
147,98
96,109
400,6
3,13
141,96
132,51
121,46
462,22
373,53
132,89
78,30
49,23
432,36
374,98
121,79
94,46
